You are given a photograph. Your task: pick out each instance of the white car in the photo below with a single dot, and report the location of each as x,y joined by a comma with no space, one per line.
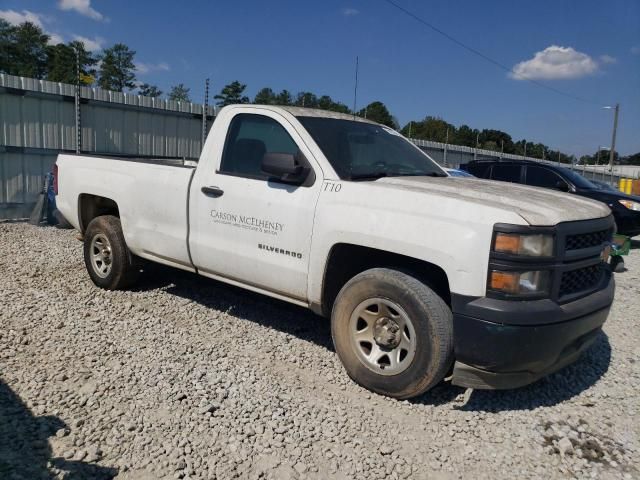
421,274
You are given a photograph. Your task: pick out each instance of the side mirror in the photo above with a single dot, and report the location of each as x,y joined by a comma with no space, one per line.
562,186
285,167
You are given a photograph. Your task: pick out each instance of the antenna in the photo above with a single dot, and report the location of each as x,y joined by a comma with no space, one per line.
355,91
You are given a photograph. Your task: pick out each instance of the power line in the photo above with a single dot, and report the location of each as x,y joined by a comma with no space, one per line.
486,57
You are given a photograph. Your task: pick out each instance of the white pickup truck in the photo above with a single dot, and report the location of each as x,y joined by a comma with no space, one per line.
423,275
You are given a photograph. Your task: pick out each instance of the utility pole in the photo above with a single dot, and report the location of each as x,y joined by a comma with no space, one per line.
355,90
475,152
410,125
501,148
525,150
77,101
613,136
446,143
204,113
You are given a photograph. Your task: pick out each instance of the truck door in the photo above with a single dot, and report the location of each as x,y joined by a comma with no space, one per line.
245,226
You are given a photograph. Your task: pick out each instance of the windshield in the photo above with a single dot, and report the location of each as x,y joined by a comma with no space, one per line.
360,151
577,179
603,186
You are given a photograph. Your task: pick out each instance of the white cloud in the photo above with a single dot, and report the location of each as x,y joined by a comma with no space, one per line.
350,12
635,50
143,68
16,18
83,7
91,44
55,39
555,63
608,59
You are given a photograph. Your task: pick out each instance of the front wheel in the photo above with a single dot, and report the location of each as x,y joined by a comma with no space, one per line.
108,260
393,334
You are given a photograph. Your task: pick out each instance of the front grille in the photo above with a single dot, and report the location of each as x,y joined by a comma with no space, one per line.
580,280
587,240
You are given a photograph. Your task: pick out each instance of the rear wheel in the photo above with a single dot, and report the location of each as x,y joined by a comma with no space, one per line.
108,260
393,334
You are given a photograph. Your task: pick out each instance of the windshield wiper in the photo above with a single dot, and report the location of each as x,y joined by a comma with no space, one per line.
368,175
380,174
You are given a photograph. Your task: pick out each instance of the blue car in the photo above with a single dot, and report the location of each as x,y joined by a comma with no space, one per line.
454,172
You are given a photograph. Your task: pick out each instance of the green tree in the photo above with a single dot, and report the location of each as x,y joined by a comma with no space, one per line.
465,135
339,107
61,63
631,159
265,96
325,102
378,112
179,93
117,70
495,139
431,128
27,52
232,94
7,42
306,99
284,98
149,90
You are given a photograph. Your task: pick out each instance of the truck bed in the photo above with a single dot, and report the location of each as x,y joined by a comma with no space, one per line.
151,194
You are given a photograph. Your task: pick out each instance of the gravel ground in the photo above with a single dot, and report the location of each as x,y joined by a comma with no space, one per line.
188,378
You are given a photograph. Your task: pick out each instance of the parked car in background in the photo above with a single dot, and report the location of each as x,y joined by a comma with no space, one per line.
625,208
600,185
456,172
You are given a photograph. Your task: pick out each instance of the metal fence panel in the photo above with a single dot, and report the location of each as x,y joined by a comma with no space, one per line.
37,120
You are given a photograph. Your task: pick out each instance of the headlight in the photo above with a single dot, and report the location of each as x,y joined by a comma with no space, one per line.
535,282
538,245
635,206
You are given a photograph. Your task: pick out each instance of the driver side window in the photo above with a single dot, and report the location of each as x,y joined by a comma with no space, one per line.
250,137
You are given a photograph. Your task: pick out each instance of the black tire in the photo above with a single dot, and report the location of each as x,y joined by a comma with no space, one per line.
123,270
428,313
617,264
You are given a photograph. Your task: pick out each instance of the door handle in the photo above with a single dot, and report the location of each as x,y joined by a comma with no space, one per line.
212,191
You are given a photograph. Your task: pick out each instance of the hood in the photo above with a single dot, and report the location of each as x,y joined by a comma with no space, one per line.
609,195
537,206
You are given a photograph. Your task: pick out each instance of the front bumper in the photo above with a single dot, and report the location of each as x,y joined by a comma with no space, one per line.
507,344
628,222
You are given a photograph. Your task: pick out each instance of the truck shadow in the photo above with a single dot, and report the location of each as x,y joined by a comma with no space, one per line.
260,309
25,451
551,390
303,324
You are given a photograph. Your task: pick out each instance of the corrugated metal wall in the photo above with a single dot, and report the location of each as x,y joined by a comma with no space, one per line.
37,121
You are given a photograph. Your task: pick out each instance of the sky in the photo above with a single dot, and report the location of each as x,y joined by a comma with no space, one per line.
588,49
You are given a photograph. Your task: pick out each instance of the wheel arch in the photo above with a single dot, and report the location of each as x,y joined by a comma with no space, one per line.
346,260
91,206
